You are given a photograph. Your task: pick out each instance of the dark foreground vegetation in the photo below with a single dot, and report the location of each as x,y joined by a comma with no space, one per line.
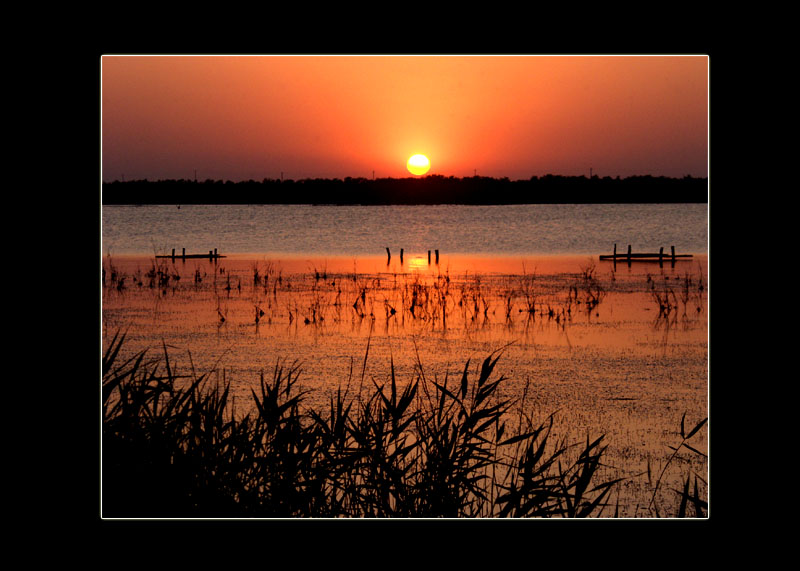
433,189
175,446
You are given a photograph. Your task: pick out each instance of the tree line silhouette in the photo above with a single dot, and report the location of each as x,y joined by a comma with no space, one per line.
432,189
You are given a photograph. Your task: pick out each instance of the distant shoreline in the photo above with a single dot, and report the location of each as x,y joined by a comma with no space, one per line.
429,190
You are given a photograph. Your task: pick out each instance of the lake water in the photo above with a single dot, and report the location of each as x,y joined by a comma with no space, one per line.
589,338
534,229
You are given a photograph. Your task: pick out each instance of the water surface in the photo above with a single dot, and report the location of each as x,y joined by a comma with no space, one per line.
367,230
312,284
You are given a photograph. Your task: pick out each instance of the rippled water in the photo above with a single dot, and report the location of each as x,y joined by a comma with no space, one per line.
511,277
367,230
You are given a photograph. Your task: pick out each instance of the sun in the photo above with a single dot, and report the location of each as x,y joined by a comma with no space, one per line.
418,164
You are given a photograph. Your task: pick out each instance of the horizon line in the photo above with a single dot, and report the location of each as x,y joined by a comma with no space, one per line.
410,177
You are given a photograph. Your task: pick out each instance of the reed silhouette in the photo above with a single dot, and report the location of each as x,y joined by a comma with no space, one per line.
174,446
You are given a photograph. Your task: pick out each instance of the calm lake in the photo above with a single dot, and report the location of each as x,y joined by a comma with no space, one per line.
367,230
617,350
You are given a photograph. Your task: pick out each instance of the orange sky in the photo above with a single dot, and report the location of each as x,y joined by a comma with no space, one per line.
253,117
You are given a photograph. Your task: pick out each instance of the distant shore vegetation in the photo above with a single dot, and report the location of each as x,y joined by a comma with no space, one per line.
432,189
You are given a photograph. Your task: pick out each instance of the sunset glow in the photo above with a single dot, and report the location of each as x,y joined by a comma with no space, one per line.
255,117
429,287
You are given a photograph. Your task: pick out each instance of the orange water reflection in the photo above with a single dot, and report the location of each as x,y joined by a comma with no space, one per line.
593,341
460,263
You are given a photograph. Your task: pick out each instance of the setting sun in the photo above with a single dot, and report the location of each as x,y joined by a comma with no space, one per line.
418,164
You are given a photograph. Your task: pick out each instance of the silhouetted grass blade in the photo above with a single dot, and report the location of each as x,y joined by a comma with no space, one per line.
695,429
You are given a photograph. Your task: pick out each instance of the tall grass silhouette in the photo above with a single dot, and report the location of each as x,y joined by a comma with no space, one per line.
176,446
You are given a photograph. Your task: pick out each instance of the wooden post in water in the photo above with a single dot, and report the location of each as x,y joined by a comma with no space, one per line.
215,252
437,257
429,257
673,255
629,254
388,256
401,255
183,254
661,257
173,254
211,254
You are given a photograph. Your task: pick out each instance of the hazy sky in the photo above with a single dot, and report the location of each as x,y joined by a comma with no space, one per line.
253,117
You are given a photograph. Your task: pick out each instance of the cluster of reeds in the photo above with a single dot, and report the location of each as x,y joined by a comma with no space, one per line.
665,300
228,284
669,302
175,446
160,277
267,276
316,308
528,292
593,292
429,301
473,301
586,292
263,300
691,293
588,271
112,277
424,301
694,499
360,289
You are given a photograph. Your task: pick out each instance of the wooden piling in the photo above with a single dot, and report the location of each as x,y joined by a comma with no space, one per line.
429,257
437,257
388,256
401,255
210,255
173,253
645,256
661,256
